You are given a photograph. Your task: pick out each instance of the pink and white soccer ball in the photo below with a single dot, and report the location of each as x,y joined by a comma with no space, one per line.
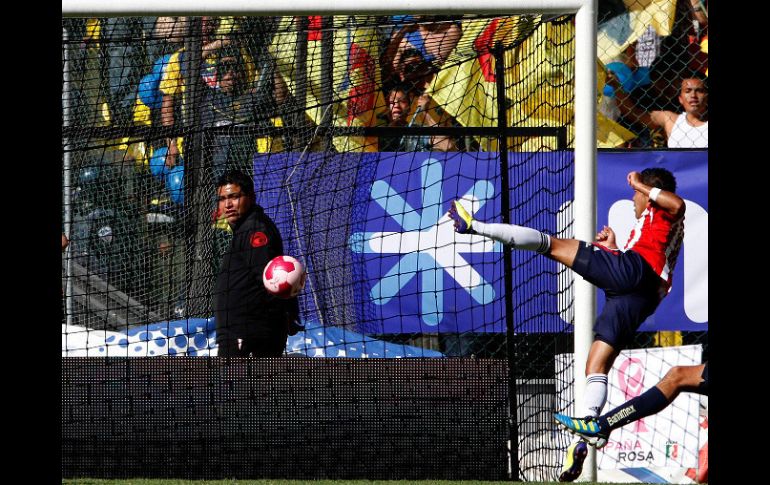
284,277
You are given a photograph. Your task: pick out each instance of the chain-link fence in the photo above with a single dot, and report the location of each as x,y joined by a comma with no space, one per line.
656,56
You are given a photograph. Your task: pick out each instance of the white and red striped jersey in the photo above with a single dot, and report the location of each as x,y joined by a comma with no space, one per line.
657,237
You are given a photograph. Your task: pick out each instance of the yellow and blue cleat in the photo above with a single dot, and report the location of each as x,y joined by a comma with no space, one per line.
462,219
587,428
573,464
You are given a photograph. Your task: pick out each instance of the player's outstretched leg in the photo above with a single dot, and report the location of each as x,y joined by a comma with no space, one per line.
587,428
573,464
518,237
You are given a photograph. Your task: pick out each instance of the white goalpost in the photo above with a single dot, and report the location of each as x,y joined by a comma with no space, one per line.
585,153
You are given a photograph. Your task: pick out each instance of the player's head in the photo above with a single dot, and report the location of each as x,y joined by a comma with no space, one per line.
660,178
235,195
694,94
654,177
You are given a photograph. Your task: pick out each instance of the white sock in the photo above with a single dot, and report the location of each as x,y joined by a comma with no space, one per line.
595,395
519,237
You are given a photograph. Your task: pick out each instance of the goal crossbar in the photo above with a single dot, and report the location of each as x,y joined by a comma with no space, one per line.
79,8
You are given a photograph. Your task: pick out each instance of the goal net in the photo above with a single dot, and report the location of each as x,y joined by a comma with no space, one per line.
358,132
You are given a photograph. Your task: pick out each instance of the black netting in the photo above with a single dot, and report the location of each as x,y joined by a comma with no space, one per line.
358,132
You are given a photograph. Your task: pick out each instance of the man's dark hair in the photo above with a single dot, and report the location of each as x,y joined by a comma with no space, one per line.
238,178
696,75
660,178
398,85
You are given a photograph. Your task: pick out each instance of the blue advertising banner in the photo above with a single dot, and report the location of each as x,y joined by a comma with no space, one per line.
375,226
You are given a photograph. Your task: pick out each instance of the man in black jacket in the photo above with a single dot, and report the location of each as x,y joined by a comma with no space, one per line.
250,321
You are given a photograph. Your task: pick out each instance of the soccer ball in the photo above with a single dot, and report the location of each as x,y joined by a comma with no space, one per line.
284,277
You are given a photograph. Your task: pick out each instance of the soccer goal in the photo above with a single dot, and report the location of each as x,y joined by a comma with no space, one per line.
359,123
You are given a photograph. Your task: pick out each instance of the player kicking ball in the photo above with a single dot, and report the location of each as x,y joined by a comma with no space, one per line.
634,279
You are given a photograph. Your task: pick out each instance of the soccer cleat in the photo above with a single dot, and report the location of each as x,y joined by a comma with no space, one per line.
462,219
587,428
573,464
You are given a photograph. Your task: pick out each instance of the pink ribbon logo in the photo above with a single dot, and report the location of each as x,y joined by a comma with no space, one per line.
631,378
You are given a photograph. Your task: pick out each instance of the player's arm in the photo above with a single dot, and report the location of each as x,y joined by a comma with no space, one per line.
668,201
606,237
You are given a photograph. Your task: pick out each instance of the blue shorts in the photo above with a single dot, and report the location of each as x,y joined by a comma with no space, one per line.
632,290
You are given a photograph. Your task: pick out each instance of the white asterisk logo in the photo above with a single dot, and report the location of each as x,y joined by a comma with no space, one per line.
428,243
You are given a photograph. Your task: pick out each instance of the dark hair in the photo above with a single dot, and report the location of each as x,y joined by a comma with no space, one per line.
412,52
238,178
406,88
660,178
696,75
